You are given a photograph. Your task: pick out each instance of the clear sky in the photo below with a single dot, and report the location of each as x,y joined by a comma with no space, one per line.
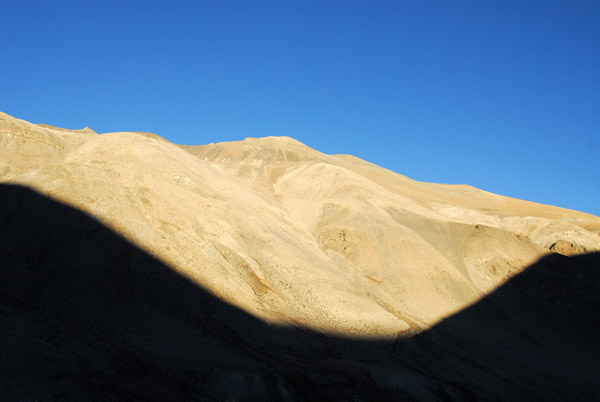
501,95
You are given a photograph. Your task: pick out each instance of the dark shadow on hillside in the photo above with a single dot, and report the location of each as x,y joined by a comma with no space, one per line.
85,315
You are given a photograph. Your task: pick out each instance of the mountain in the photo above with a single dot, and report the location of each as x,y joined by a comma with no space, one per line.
138,269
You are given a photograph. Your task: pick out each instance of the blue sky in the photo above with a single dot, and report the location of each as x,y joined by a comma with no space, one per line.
501,95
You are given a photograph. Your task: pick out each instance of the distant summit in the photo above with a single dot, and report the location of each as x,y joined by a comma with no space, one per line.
85,130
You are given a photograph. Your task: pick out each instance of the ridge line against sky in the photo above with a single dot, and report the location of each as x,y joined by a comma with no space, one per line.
502,96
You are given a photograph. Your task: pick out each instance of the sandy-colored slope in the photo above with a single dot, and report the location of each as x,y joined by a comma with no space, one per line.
422,249
291,235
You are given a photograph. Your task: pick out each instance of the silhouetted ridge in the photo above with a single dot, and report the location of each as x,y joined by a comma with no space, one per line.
87,315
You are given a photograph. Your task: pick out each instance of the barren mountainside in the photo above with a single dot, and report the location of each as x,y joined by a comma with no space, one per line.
138,269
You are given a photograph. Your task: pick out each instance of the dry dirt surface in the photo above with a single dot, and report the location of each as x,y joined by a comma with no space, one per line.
135,269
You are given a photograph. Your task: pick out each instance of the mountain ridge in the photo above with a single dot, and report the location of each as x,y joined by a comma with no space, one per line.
292,235
137,269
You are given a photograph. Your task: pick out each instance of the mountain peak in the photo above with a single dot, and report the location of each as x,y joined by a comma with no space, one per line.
257,151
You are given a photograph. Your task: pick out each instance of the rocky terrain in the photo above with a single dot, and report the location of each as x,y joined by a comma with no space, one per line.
140,270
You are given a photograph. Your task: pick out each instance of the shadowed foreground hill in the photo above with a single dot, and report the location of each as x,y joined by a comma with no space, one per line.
87,315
